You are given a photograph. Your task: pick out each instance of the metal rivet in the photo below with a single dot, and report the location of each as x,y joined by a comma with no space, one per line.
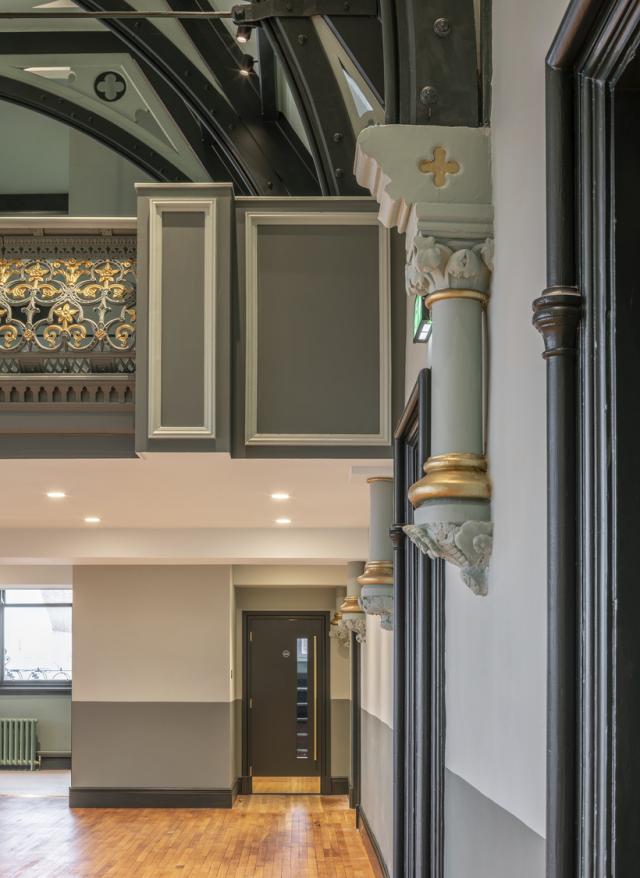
339,173
269,184
337,137
428,96
302,39
442,27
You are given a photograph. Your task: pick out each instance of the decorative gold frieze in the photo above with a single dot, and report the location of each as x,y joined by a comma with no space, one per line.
458,475
70,304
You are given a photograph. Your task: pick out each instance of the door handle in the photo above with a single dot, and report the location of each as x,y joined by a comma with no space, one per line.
315,698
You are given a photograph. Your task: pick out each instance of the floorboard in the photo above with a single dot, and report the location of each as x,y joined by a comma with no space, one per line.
260,837
285,784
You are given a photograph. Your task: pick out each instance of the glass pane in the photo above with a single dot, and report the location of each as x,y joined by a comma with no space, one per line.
302,700
37,643
37,596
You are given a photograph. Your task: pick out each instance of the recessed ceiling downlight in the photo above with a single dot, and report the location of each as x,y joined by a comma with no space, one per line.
56,495
92,519
283,521
280,495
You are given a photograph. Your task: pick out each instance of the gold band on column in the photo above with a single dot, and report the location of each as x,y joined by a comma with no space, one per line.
350,605
377,573
458,475
442,295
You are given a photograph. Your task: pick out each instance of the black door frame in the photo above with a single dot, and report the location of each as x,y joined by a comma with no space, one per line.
324,692
586,729
418,665
355,772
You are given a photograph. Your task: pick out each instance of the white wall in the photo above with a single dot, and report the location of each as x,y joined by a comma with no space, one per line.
151,633
34,152
39,156
496,646
376,696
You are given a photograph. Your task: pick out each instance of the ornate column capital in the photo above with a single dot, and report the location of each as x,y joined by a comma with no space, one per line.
432,267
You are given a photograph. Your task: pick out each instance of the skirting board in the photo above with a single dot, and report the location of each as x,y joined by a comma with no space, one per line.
371,846
339,786
55,763
105,797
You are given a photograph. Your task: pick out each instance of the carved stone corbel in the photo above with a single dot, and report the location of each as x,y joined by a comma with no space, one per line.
467,545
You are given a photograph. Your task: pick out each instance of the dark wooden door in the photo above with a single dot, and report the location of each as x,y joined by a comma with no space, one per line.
286,695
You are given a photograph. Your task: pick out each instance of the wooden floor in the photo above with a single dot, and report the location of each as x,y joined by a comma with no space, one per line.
285,784
261,837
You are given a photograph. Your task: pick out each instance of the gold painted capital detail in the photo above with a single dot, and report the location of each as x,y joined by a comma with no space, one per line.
350,605
458,475
443,295
376,573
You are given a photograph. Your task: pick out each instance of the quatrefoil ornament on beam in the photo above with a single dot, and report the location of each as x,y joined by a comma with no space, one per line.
439,167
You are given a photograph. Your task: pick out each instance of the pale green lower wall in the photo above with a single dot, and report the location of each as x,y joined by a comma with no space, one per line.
376,794
485,841
53,713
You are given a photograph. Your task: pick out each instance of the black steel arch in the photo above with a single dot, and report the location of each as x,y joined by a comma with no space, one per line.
252,154
82,43
111,135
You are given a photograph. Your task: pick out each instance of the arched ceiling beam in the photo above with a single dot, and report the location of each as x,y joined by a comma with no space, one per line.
222,55
104,43
319,100
107,133
244,148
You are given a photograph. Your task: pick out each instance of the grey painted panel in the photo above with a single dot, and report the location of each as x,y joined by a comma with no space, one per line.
340,736
223,193
183,248
151,745
484,840
318,327
398,321
53,713
377,782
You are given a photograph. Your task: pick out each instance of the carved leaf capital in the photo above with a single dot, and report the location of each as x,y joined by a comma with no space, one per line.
433,265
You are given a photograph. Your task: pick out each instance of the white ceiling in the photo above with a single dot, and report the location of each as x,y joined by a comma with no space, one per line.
186,491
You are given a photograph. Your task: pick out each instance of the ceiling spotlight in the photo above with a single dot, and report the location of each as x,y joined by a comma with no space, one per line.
246,66
56,495
280,495
243,34
92,519
283,521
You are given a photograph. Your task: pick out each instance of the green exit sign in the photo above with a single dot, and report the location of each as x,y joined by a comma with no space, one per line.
421,321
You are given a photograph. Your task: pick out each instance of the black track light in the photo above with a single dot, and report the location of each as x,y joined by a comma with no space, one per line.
243,34
246,65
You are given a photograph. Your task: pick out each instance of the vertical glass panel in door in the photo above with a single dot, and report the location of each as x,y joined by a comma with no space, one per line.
302,700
